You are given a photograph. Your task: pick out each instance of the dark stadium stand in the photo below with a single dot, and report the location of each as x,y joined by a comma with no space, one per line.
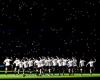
63,28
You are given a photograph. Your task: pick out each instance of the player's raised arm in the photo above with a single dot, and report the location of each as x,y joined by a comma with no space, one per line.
87,64
94,60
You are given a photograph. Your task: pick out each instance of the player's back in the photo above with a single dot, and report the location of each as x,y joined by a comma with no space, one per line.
70,63
82,63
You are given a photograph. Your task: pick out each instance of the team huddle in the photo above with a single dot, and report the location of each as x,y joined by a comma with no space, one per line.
42,65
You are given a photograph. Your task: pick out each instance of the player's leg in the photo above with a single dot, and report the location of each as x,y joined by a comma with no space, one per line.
15,69
6,69
72,70
69,70
59,70
37,71
49,70
63,68
91,70
31,69
81,70
40,70
18,71
43,70
24,69
23,72
53,68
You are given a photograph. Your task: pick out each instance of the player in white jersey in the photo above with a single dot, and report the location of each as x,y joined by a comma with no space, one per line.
54,62
50,65
30,65
46,65
7,64
74,64
70,66
42,61
91,65
16,63
60,64
82,65
38,65
64,63
25,66
20,66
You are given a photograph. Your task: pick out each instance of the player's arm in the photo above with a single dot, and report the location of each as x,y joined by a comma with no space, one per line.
87,64
94,60
4,62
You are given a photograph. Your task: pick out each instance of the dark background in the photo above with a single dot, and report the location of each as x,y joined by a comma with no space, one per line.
62,28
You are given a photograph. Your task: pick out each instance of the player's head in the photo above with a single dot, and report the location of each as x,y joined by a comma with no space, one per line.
39,58
16,58
29,59
91,60
7,57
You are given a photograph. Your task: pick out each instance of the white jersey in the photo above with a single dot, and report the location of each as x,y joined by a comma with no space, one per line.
70,63
91,63
46,62
16,62
49,62
7,62
74,62
82,63
38,63
59,61
30,63
25,64
20,64
64,62
54,61
42,62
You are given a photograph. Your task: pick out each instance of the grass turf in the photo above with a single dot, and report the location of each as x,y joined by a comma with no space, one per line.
34,76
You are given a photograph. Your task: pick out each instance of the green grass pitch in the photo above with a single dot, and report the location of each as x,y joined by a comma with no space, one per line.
34,76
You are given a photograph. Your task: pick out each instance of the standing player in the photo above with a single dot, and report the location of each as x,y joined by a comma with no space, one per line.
20,65
54,61
25,66
16,63
91,65
50,65
42,60
82,65
46,65
64,63
38,66
7,64
70,66
59,61
74,64
30,65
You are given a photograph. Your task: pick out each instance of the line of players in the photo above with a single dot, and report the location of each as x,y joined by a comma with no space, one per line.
41,65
